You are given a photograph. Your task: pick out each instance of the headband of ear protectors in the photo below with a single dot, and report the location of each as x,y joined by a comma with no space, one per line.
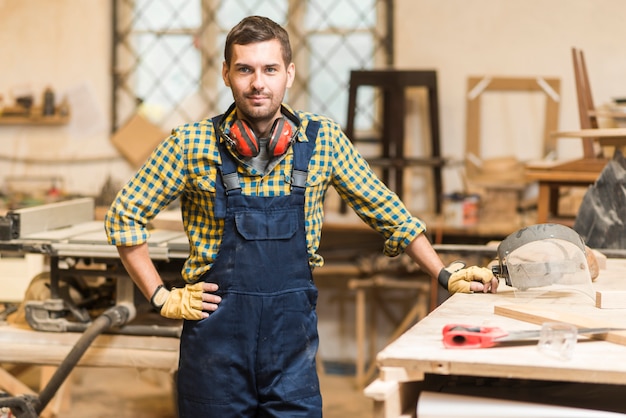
242,137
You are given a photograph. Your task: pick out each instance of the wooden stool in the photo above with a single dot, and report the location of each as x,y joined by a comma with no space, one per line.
393,160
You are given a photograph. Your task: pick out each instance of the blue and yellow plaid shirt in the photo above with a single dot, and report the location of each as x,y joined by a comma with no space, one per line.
185,165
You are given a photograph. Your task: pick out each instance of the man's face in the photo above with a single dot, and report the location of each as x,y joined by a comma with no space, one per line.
258,78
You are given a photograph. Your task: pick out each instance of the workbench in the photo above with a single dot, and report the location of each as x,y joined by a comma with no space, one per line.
417,361
20,345
67,232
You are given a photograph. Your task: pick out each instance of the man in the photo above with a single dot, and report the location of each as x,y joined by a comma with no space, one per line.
251,184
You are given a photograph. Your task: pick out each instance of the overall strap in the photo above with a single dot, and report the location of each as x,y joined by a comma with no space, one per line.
302,155
227,171
229,164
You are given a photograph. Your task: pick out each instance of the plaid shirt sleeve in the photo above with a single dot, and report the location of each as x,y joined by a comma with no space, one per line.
365,193
152,188
184,166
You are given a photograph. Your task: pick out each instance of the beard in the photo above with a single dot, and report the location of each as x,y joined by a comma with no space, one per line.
267,110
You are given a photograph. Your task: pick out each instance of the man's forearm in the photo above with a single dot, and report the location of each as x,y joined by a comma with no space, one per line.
422,252
136,260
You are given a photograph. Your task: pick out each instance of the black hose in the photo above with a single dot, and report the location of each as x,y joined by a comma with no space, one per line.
136,330
115,316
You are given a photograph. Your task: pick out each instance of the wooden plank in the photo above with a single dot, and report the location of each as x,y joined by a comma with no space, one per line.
96,357
17,334
539,314
563,177
611,299
34,120
50,348
593,133
12,385
472,121
551,119
393,399
393,374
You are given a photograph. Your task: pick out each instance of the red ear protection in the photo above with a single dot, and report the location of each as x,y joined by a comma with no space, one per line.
247,143
244,139
280,137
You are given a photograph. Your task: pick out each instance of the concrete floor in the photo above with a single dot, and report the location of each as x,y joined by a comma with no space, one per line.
132,393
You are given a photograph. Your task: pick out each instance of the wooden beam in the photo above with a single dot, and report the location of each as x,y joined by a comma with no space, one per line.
12,385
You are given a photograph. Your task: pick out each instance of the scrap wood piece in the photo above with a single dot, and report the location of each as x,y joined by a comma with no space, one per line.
136,139
538,315
611,299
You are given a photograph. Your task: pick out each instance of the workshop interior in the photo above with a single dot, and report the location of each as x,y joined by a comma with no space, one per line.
499,124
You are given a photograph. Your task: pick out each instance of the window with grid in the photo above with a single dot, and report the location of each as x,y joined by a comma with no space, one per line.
168,54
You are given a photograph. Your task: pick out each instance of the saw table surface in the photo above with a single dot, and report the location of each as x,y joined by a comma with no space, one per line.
420,351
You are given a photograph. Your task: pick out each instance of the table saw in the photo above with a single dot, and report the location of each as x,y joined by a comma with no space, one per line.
86,292
85,273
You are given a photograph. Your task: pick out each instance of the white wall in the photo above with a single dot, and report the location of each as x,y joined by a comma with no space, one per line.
65,44
461,38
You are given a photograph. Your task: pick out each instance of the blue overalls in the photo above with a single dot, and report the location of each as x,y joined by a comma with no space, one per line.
255,355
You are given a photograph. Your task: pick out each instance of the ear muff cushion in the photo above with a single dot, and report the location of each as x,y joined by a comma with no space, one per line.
280,137
244,139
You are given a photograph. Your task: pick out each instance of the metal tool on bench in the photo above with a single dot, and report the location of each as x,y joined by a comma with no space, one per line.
544,256
86,275
470,336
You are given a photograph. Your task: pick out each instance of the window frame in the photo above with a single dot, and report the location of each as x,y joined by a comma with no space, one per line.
208,36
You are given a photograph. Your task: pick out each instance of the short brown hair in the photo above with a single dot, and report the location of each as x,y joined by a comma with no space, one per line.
257,29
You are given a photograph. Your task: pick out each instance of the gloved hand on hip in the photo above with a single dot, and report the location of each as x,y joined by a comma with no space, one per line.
458,278
186,302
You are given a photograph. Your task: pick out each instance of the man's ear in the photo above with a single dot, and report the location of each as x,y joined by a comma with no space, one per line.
291,74
225,74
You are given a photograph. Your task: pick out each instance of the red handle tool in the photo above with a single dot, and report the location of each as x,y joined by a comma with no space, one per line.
469,336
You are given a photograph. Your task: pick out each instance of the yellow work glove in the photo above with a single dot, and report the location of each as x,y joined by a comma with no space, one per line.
456,278
185,303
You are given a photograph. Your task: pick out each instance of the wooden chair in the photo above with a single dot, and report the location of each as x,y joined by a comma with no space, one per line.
588,115
586,108
584,171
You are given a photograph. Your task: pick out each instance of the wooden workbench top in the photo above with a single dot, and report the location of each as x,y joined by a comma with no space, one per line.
20,344
420,349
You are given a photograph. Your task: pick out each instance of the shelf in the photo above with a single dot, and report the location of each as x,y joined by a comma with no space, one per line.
34,120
